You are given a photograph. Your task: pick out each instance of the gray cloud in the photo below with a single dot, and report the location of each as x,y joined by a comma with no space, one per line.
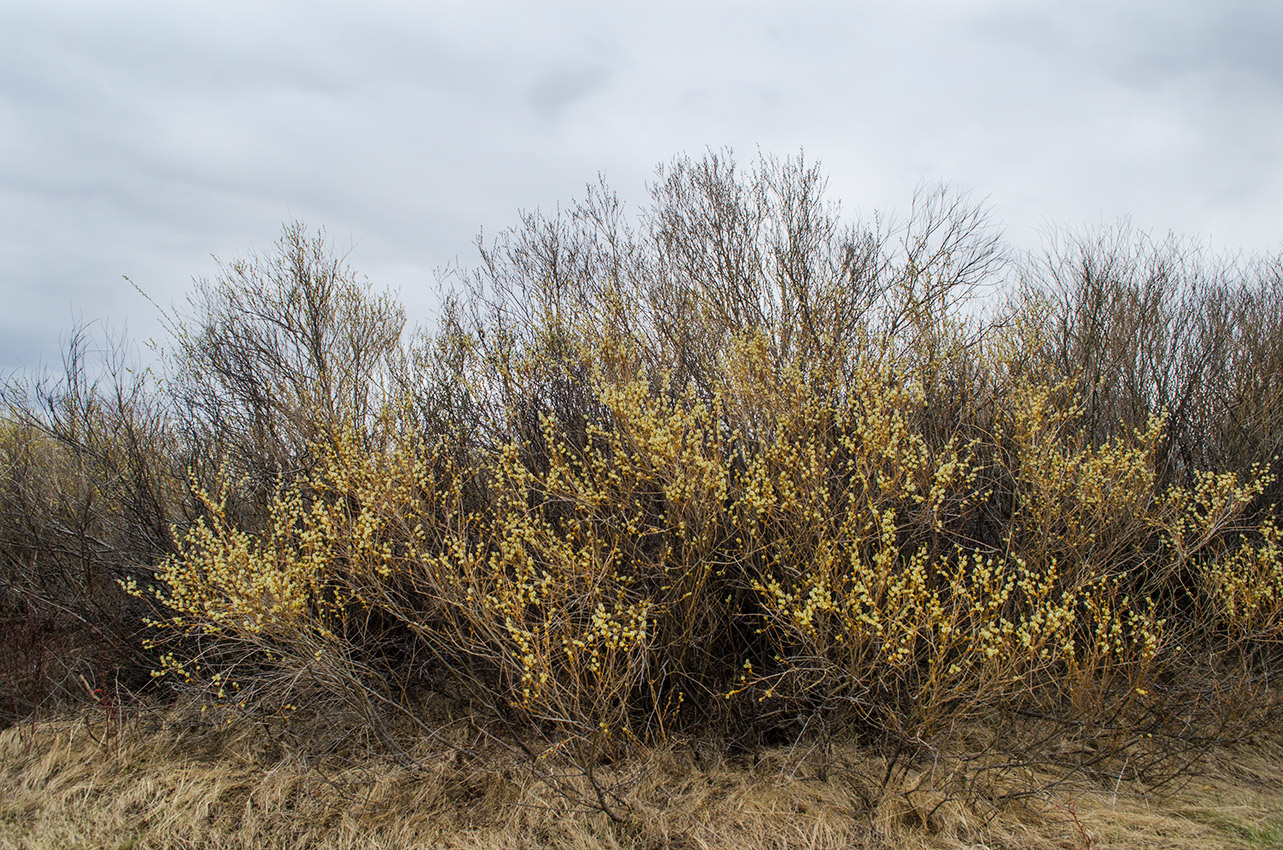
138,138
555,91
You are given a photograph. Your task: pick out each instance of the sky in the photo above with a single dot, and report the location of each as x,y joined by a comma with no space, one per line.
142,139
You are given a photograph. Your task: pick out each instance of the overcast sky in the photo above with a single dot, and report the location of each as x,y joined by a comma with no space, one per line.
140,138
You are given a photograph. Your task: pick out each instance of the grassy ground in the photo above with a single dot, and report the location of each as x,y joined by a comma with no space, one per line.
165,782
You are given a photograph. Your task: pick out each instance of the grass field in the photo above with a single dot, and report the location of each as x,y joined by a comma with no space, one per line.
160,781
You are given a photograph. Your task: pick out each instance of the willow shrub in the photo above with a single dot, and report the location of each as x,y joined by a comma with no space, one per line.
789,555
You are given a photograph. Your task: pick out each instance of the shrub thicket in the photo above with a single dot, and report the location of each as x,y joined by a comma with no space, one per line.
732,469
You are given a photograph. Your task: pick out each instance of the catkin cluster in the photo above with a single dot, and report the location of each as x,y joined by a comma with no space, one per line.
784,547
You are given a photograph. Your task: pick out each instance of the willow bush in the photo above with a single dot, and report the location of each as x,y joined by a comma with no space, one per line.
787,558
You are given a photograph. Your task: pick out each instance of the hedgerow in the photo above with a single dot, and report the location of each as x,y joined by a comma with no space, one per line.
733,471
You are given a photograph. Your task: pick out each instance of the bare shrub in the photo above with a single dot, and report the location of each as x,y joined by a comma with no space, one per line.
1151,327
274,353
87,498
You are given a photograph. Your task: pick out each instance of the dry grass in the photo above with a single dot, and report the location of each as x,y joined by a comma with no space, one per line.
162,780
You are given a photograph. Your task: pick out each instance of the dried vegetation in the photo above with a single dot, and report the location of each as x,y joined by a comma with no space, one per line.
731,488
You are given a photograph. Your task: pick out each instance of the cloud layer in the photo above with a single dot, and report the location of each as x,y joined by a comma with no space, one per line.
140,138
